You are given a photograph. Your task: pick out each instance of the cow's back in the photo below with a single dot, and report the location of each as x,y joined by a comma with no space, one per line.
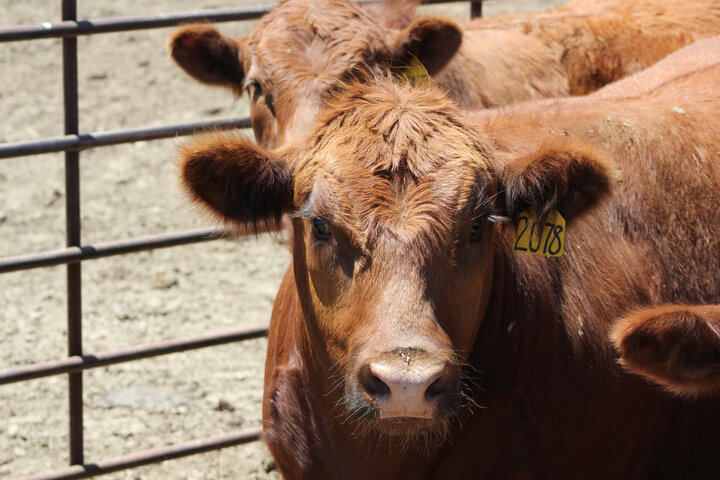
699,55
599,41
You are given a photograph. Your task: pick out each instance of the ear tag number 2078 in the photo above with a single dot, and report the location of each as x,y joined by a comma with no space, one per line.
530,237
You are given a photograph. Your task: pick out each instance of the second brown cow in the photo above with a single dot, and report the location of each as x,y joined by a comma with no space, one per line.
297,55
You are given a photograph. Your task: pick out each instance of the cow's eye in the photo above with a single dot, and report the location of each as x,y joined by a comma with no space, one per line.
321,228
256,90
476,230
257,93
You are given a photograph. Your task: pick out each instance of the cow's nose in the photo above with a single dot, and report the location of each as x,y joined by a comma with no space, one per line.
407,386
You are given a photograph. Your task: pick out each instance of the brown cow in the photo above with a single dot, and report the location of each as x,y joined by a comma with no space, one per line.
409,340
297,55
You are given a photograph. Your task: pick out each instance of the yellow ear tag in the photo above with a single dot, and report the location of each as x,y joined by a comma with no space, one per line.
415,72
530,239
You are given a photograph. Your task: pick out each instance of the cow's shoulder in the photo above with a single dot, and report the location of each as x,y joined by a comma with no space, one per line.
293,428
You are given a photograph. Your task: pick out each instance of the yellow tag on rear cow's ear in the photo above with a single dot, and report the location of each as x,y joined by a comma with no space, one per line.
415,72
530,237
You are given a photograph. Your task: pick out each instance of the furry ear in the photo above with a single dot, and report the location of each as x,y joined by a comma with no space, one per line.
208,56
569,177
677,346
237,181
395,14
432,40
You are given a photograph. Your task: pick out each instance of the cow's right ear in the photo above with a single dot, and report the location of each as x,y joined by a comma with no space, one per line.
570,176
208,56
237,181
432,40
677,346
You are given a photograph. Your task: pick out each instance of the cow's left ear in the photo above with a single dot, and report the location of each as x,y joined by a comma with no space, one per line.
566,176
208,56
677,346
432,40
239,182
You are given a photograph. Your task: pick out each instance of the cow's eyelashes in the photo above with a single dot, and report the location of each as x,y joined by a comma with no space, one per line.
476,230
256,93
320,228
255,89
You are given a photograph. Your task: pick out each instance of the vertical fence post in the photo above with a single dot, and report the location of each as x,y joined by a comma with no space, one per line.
72,211
476,8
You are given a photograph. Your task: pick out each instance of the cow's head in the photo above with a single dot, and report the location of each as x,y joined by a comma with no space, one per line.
395,200
297,55
676,346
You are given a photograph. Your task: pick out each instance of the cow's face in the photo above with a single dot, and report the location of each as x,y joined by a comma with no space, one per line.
394,200
393,252
300,53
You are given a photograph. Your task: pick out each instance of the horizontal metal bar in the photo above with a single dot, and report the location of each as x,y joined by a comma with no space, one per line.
114,137
150,456
77,363
120,24
107,249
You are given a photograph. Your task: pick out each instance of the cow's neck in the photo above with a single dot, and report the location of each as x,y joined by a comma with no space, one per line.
552,376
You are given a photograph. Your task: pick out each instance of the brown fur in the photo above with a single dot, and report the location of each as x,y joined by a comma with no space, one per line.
294,58
599,41
400,176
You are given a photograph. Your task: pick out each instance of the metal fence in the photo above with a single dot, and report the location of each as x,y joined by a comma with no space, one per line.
72,143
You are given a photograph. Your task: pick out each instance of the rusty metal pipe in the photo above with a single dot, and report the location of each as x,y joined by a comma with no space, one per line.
150,456
72,215
71,28
78,363
107,249
114,137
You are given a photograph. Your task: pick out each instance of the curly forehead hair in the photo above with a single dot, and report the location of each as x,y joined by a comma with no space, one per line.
392,124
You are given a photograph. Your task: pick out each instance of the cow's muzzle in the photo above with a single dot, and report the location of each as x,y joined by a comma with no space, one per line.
408,383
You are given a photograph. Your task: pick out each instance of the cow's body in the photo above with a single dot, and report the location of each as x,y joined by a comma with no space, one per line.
590,42
596,42
413,261
297,54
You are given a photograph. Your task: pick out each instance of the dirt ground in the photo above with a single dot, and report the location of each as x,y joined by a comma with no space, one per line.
127,80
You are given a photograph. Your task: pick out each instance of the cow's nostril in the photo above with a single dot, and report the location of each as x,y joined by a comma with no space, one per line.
442,385
371,383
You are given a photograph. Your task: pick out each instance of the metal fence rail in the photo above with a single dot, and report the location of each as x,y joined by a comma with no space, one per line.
72,27
114,137
106,249
150,456
78,363
72,143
